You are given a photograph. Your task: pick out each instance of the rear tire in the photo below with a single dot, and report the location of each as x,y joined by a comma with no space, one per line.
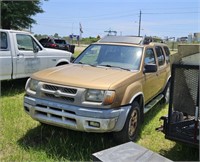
131,126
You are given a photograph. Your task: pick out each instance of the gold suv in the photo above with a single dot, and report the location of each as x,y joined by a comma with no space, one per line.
107,88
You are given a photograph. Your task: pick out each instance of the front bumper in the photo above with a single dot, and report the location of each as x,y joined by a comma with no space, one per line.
75,117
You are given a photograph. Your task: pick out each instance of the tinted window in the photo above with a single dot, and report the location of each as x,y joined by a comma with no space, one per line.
43,40
58,41
3,41
160,55
167,51
46,40
149,56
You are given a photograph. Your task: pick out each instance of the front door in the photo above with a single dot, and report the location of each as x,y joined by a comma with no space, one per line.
26,60
151,80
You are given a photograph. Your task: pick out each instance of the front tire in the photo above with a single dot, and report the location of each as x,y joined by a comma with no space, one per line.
62,63
131,126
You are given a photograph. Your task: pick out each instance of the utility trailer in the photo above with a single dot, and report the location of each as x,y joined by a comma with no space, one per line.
182,122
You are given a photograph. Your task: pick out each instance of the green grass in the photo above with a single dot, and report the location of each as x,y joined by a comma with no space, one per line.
76,53
23,139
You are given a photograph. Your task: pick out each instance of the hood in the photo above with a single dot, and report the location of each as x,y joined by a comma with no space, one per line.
53,51
84,76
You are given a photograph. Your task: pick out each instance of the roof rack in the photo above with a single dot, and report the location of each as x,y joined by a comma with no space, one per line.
130,39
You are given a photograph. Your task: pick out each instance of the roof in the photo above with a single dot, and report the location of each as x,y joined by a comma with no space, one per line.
129,40
121,39
14,31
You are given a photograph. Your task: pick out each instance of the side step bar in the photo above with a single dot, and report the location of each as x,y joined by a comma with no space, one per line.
153,103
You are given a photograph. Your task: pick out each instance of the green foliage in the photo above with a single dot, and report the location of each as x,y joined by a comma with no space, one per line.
89,40
86,41
56,35
39,36
17,14
172,45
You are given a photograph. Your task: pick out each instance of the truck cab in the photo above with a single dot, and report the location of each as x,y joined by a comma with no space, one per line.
21,55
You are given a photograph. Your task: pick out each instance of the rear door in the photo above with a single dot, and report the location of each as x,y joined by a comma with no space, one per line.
5,56
162,69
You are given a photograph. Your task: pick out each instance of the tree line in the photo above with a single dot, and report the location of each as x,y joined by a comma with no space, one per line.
18,14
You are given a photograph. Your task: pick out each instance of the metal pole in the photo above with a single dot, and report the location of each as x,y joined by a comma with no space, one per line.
139,23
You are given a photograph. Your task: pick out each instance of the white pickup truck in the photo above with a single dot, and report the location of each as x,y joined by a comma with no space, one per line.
21,55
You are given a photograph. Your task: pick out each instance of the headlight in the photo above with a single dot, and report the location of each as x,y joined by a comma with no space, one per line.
94,95
33,84
100,96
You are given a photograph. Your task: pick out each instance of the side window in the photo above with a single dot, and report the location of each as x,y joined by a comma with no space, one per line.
149,56
24,42
160,55
3,40
167,52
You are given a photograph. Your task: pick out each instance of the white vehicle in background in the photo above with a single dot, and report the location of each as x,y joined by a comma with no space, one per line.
21,55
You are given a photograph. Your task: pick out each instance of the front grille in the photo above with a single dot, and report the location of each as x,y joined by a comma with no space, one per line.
68,99
59,93
62,89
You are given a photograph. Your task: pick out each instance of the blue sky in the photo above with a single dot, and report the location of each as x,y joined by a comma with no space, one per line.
172,18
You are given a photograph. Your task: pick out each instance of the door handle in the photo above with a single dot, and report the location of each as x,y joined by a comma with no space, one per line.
20,55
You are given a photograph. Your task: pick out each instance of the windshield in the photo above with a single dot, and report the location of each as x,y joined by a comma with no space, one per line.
125,57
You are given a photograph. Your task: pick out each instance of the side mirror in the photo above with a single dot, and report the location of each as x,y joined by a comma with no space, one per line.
150,68
36,49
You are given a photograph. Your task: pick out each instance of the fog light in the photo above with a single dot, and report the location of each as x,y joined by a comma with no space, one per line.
94,124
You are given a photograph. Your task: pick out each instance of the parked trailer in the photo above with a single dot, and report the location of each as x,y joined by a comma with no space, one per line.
182,122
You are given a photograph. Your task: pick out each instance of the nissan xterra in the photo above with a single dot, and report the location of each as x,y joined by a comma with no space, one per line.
108,88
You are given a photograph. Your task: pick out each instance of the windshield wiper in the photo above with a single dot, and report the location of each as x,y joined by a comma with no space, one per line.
115,67
79,62
85,64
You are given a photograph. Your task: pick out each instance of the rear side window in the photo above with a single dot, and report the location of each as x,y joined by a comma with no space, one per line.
167,52
3,40
43,40
149,57
160,55
59,41
46,40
